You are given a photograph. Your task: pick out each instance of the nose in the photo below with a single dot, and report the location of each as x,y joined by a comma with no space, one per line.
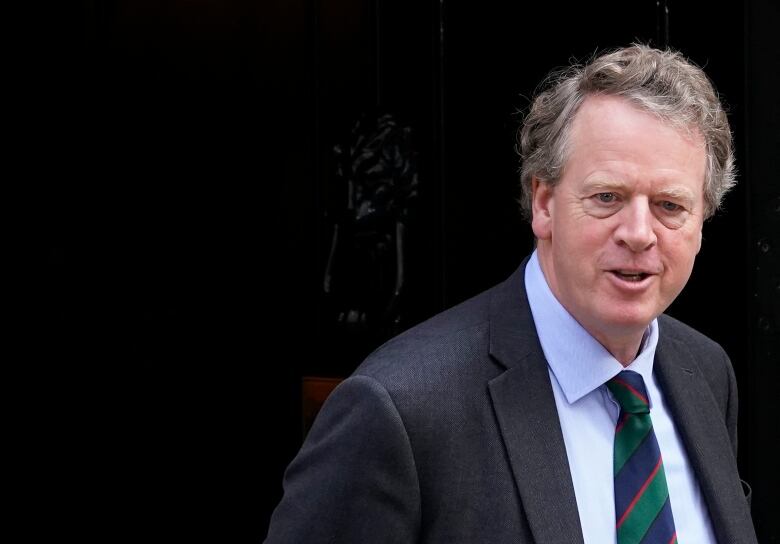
635,229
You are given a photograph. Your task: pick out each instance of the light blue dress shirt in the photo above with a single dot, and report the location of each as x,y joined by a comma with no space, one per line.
579,367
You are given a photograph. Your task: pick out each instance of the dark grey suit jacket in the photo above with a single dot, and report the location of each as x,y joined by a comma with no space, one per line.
449,433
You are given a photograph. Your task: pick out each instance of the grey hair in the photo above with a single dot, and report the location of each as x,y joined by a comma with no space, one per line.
663,83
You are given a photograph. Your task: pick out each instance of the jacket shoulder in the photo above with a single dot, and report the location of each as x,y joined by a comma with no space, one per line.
457,334
680,332
710,358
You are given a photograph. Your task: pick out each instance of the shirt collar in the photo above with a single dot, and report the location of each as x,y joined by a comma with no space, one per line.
578,361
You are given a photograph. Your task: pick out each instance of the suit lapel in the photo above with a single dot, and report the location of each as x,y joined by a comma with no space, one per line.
700,424
528,419
524,404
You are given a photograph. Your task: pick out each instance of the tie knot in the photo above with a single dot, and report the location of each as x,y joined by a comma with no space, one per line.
628,387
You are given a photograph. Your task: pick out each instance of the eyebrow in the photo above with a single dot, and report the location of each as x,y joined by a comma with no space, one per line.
679,193
605,185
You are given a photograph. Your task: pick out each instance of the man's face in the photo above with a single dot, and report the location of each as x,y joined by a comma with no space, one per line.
618,235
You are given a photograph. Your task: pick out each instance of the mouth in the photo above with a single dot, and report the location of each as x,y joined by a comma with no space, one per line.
630,275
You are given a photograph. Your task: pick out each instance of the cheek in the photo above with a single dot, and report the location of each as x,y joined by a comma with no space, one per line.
680,259
579,253
575,230
585,241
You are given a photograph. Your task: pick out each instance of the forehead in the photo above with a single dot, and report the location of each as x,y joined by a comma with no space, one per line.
612,135
615,113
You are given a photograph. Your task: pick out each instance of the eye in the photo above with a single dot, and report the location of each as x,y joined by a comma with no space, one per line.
602,204
670,206
606,198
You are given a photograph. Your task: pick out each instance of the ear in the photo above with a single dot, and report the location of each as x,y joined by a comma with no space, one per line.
542,208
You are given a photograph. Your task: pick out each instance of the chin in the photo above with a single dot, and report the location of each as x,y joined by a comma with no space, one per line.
628,322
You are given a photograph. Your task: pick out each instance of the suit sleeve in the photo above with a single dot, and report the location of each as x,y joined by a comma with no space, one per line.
354,479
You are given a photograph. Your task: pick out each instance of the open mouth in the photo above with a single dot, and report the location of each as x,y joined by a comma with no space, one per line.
630,276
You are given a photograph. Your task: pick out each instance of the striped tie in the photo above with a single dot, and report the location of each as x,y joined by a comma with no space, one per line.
642,508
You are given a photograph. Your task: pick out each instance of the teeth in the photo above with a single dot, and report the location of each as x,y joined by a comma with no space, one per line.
633,276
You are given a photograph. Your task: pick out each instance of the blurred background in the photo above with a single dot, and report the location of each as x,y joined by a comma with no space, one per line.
233,200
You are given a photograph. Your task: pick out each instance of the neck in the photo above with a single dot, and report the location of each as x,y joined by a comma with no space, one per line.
622,342
622,348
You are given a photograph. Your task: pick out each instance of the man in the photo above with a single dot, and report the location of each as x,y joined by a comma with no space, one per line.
560,406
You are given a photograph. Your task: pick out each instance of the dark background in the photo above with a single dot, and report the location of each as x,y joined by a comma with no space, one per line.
179,157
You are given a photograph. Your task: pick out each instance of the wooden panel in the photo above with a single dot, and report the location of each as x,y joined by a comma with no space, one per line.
314,392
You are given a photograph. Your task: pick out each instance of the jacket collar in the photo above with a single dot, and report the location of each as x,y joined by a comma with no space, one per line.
534,442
